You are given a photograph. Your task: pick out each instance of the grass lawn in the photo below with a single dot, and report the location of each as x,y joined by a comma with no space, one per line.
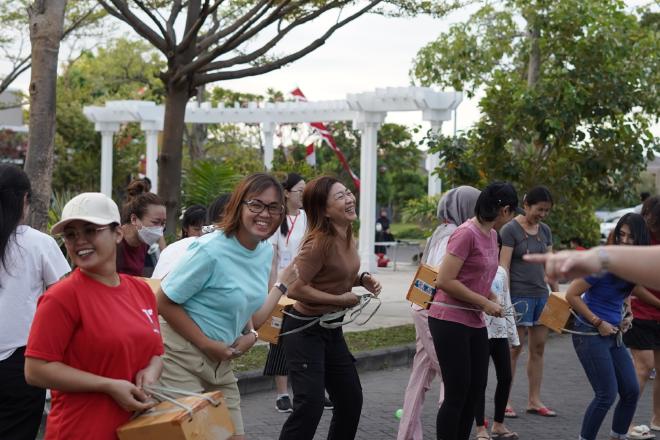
357,342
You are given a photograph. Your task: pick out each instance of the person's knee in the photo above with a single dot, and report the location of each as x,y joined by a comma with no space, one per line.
606,398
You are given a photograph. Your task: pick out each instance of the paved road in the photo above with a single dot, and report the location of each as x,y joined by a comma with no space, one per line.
565,389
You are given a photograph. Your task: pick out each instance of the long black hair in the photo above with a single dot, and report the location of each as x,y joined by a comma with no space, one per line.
495,196
638,229
14,185
292,180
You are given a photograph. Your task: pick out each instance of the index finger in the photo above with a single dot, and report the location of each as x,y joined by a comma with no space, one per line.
536,258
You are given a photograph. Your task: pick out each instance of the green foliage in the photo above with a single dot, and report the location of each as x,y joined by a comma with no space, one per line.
422,212
121,70
581,126
206,180
408,231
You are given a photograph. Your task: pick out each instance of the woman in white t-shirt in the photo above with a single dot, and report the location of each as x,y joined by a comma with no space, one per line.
286,243
30,261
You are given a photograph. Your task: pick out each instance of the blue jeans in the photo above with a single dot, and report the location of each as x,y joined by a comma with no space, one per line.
610,370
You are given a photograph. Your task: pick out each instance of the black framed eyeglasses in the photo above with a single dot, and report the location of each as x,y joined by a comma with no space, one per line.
88,232
257,207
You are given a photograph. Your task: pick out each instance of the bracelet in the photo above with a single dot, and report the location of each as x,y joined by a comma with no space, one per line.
254,332
603,259
362,277
596,322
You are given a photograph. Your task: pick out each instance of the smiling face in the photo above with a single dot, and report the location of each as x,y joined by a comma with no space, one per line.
537,212
340,206
255,227
294,196
92,247
625,236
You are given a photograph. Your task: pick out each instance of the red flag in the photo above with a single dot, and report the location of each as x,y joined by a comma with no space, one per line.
326,136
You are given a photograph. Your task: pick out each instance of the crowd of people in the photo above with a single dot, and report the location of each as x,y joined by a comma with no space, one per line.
98,337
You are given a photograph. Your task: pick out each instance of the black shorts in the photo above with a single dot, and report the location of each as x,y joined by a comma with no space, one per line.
644,335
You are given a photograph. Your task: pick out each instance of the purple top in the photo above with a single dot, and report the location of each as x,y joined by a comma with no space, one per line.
479,254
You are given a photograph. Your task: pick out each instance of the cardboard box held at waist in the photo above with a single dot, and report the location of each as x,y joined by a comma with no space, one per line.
270,330
422,289
167,421
556,314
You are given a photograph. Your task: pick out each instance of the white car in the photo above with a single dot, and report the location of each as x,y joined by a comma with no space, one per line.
609,223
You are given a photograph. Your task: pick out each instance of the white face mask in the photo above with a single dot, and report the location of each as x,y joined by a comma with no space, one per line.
151,234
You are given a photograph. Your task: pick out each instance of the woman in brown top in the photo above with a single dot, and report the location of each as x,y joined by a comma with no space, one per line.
317,357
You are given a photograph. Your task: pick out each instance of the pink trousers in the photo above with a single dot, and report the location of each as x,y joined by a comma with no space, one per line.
424,369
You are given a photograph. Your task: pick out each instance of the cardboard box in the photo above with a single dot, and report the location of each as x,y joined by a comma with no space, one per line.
556,314
168,421
422,289
270,330
153,283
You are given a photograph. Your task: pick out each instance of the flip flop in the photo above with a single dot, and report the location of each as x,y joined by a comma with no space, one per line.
543,412
655,427
482,436
640,432
510,413
504,435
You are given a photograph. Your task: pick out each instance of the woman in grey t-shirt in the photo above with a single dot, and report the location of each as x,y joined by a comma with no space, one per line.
527,234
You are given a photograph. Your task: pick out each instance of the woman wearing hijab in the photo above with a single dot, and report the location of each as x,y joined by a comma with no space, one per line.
454,208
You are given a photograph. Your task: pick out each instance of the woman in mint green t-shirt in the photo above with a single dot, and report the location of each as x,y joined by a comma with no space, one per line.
215,297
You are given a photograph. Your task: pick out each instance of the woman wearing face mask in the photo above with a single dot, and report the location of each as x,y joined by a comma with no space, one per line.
214,298
95,340
527,234
143,224
456,318
318,358
30,261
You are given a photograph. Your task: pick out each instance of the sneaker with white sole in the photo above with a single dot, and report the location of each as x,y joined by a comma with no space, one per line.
283,405
327,404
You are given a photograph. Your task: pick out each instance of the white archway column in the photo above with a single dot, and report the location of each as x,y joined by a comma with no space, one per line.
433,161
108,130
268,130
368,123
151,131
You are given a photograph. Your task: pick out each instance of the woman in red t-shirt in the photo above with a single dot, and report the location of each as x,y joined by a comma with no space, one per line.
643,338
143,224
95,339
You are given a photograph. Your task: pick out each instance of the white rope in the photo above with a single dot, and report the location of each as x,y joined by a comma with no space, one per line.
325,320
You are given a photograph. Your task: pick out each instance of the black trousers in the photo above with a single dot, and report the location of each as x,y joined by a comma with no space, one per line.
499,352
463,357
21,405
318,359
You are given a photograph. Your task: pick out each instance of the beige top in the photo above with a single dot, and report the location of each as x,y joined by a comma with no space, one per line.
333,271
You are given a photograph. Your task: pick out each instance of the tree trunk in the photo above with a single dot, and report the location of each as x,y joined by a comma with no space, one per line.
534,65
198,132
46,19
169,160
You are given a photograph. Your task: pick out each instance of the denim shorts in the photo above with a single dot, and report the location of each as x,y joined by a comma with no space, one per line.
528,309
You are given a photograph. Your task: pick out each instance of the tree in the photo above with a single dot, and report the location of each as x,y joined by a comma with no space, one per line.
220,40
46,27
570,92
121,70
79,15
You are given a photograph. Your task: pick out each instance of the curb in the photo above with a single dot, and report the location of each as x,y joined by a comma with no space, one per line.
254,381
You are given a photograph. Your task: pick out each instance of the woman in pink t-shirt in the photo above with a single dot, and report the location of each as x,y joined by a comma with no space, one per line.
456,318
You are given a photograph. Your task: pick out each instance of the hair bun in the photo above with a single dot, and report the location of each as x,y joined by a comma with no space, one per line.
136,188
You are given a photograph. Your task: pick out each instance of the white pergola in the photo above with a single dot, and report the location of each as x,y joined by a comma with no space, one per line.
367,111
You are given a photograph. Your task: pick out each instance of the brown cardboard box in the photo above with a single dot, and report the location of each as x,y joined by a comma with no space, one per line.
270,330
153,283
167,421
556,313
422,288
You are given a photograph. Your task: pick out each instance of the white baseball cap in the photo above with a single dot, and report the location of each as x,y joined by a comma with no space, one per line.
91,207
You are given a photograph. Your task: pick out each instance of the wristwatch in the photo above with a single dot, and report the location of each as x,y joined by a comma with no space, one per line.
280,285
254,332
